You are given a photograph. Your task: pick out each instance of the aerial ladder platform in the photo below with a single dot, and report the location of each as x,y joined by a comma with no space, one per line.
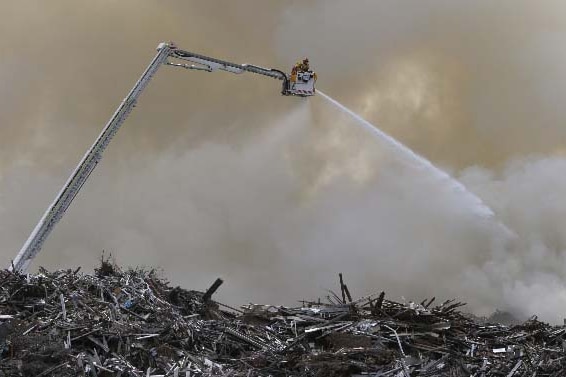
299,83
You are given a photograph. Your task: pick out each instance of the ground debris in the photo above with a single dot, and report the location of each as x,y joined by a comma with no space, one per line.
133,323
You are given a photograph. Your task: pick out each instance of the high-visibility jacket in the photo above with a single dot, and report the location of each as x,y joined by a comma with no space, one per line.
296,68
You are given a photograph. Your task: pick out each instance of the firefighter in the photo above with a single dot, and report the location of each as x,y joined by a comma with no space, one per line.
296,68
300,66
305,65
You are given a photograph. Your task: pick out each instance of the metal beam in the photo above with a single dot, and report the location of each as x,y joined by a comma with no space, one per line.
81,173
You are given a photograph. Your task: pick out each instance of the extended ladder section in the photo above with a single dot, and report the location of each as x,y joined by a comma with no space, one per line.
300,85
80,175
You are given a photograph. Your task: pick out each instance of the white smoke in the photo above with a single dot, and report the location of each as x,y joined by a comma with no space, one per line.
278,217
529,274
216,174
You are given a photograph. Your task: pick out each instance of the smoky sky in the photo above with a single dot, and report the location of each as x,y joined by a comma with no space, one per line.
216,174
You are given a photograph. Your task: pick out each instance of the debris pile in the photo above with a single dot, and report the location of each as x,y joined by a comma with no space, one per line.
133,323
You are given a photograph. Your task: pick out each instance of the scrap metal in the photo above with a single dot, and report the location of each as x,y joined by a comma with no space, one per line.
133,323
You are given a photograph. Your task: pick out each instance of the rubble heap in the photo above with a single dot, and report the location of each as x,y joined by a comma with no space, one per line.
132,323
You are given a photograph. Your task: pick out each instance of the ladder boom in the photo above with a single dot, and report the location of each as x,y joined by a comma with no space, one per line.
214,64
80,175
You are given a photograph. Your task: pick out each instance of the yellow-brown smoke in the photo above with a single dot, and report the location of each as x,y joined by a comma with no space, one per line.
218,174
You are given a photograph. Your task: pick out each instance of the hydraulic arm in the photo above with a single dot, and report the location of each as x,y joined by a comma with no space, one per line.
79,176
